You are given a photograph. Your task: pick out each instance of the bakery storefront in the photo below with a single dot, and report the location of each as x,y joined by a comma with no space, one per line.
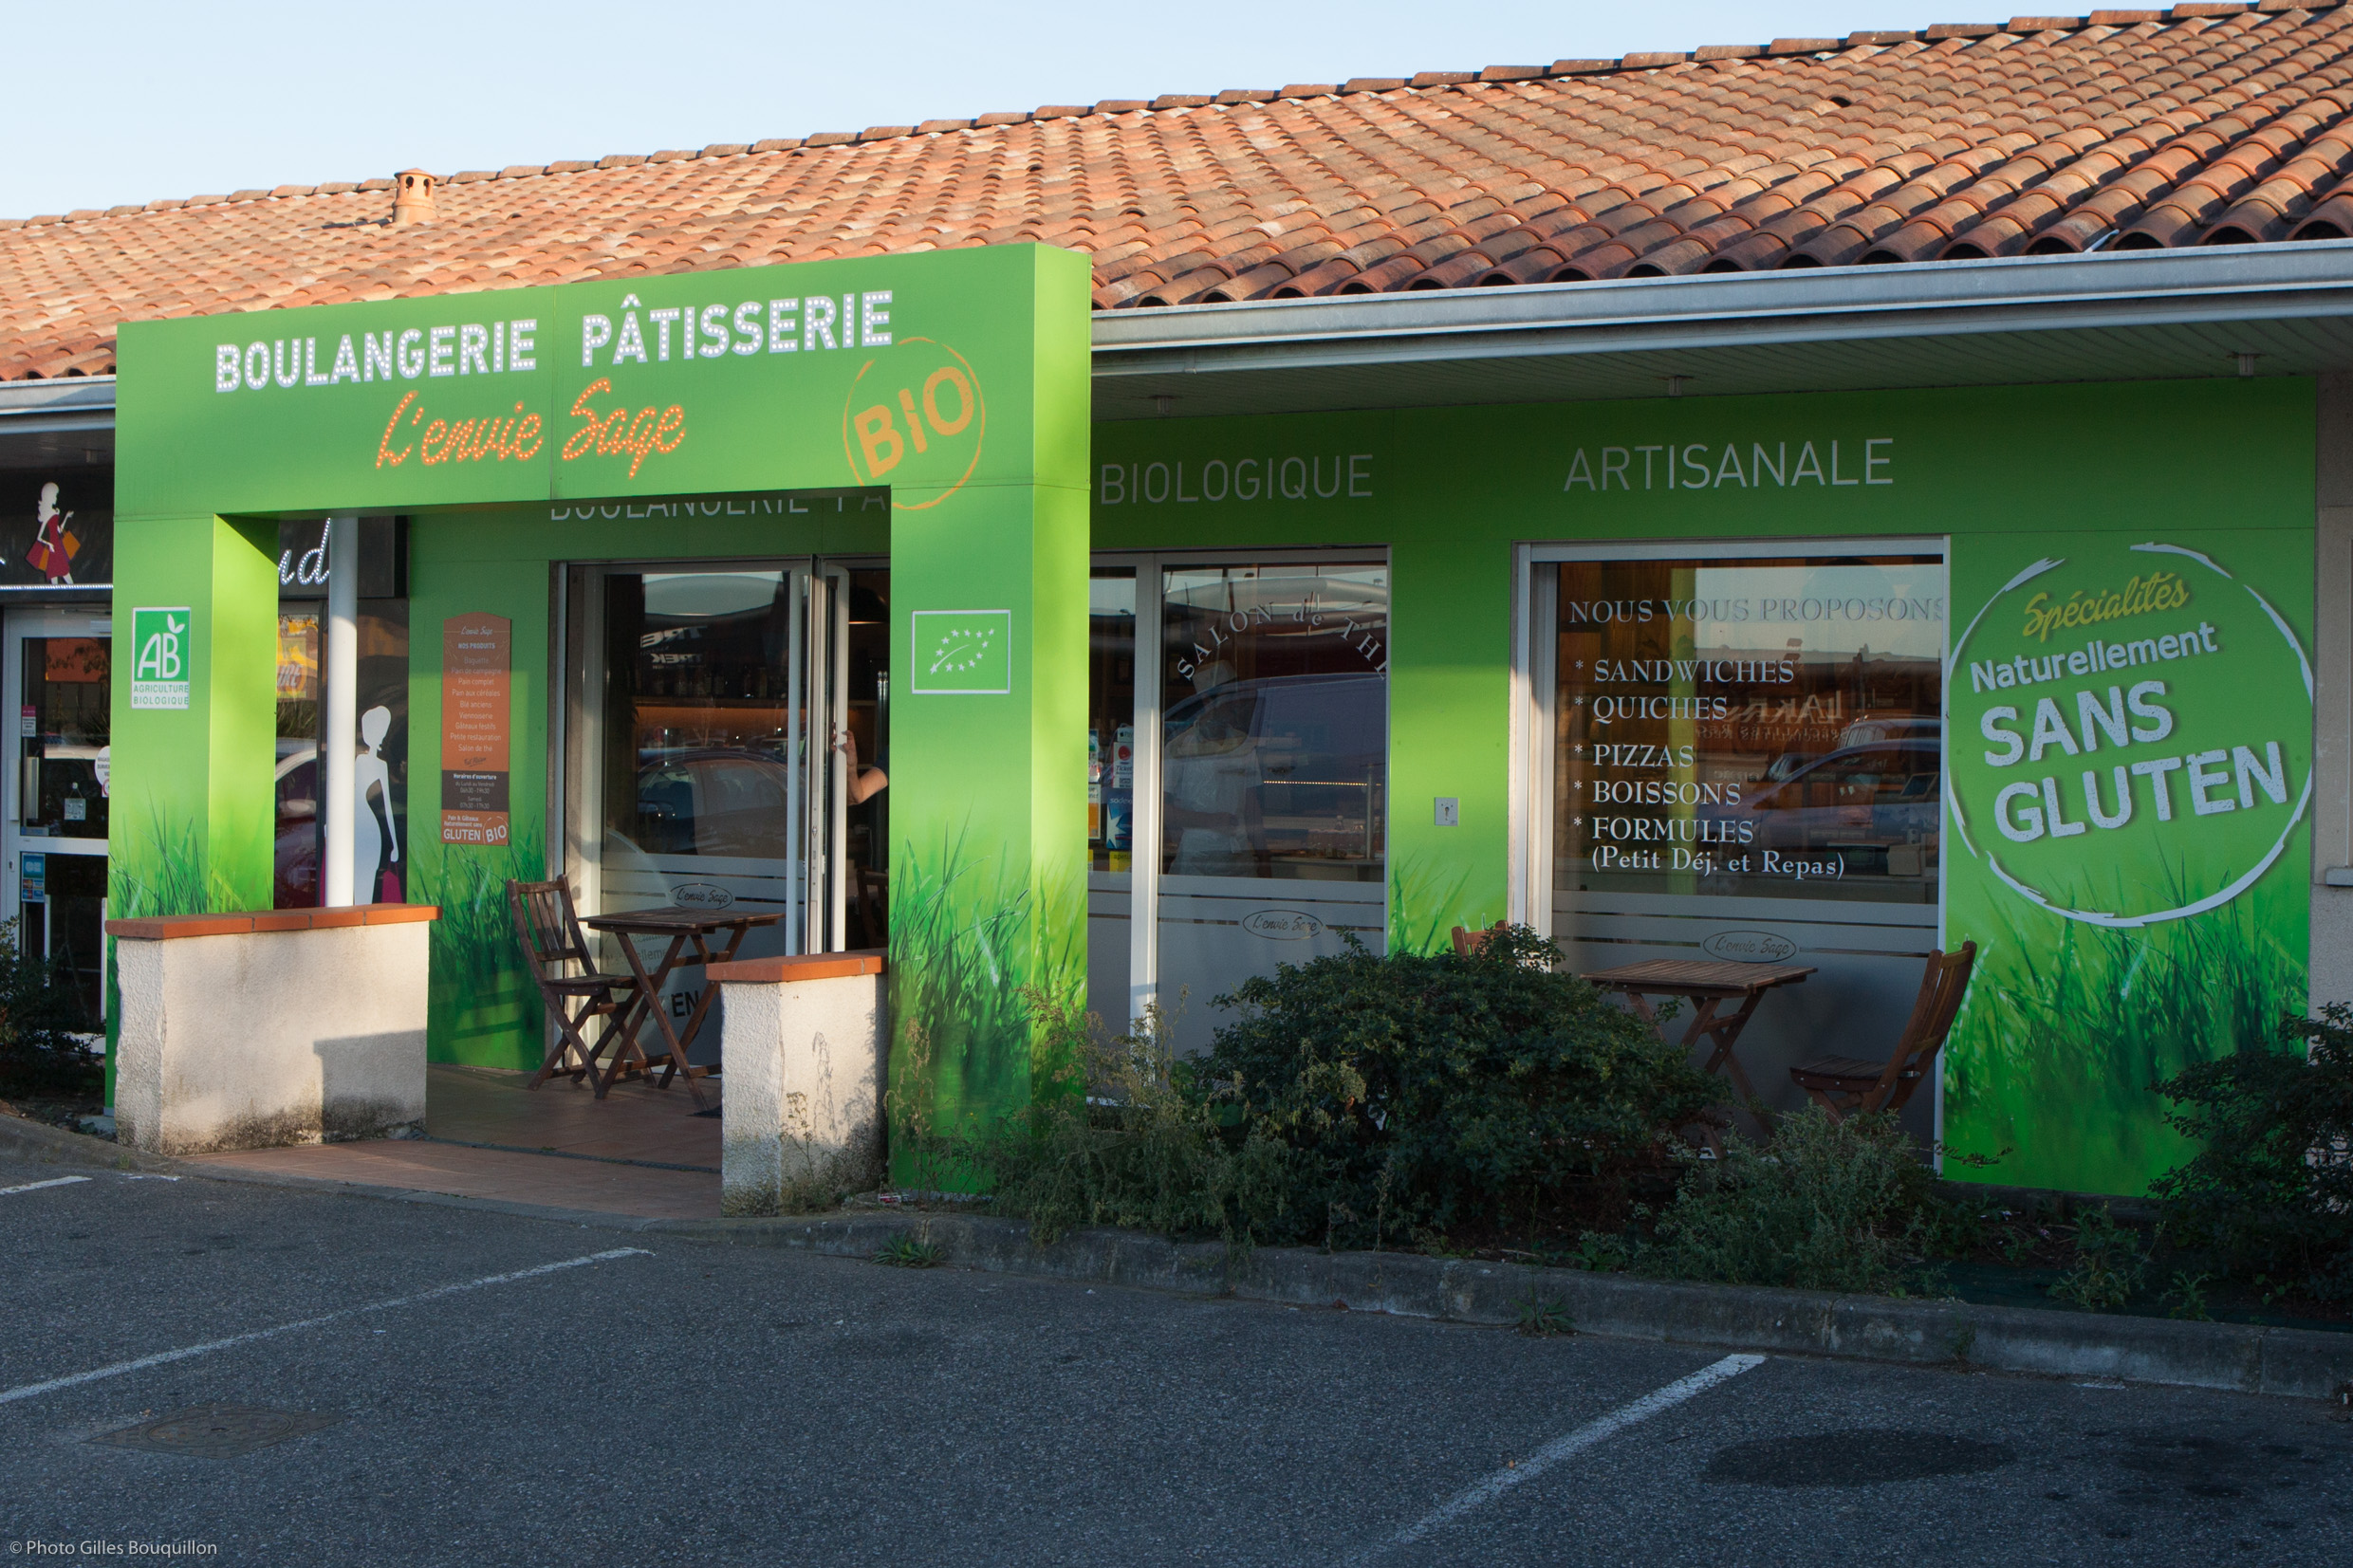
661,569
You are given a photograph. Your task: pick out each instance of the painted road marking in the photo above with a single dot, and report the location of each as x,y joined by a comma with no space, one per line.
37,1185
140,1364
1562,1446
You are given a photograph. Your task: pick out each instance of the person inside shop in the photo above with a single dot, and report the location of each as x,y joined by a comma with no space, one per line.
1213,775
866,783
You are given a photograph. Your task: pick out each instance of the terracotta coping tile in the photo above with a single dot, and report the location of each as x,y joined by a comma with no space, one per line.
2204,9
248,195
1827,46
2043,24
1580,67
1115,106
1310,89
725,149
2122,18
1441,79
1942,30
1653,60
1510,73
169,927
365,185
1727,52
1182,100
884,133
815,965
1372,84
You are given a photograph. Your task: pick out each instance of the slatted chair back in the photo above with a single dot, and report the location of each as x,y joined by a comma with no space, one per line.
1468,942
1942,985
549,928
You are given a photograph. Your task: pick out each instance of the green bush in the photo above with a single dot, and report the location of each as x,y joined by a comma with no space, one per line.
1431,1092
1826,1205
39,1016
2270,1196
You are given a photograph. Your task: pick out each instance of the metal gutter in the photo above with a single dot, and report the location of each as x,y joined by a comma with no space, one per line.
2105,291
64,403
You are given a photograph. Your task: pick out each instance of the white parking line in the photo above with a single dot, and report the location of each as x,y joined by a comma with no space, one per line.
1562,1446
37,1185
30,1389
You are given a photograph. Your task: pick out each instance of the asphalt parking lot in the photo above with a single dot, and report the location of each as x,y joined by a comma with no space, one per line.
591,1396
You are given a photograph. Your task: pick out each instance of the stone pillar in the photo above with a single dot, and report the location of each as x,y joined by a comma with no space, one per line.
802,1118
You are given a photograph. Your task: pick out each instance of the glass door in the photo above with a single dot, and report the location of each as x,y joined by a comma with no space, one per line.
727,739
55,833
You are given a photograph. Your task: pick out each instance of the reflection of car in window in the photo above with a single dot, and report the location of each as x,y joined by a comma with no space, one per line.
713,803
1862,797
1285,772
294,856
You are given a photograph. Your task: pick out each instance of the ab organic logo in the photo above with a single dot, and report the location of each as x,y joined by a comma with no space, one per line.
914,420
2131,735
161,643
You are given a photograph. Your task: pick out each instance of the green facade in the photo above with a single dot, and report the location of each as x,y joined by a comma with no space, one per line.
975,417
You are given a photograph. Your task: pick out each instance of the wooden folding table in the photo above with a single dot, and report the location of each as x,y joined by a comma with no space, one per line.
684,929
1707,984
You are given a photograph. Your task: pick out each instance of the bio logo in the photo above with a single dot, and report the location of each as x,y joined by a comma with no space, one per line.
963,653
2131,735
914,420
160,669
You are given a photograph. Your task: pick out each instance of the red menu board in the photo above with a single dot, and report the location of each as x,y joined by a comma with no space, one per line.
476,680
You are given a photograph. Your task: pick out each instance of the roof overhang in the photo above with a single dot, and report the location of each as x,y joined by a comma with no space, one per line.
2133,315
66,423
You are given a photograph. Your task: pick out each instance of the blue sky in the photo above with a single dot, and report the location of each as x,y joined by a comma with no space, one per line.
120,101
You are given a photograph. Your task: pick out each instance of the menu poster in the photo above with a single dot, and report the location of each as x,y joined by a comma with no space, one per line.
476,670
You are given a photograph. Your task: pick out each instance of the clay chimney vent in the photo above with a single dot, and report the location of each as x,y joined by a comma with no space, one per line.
412,197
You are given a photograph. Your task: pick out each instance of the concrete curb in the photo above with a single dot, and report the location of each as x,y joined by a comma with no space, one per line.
2299,1364
22,1139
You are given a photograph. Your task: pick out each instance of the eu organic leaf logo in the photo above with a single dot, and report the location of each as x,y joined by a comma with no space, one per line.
964,652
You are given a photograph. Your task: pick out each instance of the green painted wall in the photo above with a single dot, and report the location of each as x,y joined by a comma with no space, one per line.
2061,1032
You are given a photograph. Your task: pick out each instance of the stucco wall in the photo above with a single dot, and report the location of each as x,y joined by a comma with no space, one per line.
247,1041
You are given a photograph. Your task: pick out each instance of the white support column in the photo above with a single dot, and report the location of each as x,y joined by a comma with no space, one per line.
339,722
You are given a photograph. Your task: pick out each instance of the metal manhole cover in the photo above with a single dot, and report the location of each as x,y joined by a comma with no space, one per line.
1861,1457
216,1431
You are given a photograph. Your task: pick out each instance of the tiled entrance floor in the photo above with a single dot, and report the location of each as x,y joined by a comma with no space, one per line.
530,1134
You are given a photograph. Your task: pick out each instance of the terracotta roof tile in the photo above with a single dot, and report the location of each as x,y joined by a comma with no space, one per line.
2207,123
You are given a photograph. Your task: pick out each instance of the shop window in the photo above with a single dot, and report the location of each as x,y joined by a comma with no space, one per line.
1276,722
1765,727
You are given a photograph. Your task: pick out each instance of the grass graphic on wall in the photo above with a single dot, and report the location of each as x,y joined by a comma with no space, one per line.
480,991
968,937
2067,1027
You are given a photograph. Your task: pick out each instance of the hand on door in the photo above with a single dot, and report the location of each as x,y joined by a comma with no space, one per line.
866,783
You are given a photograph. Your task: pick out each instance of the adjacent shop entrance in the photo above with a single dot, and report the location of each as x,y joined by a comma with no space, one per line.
57,666
1741,757
726,731
1238,739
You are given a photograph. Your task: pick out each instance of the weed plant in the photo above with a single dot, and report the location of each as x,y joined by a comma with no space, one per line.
911,1249
1845,1206
1130,1139
2269,1198
2109,1263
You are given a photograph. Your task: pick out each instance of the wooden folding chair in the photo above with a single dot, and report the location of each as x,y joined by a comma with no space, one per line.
1844,1085
576,995
1469,942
